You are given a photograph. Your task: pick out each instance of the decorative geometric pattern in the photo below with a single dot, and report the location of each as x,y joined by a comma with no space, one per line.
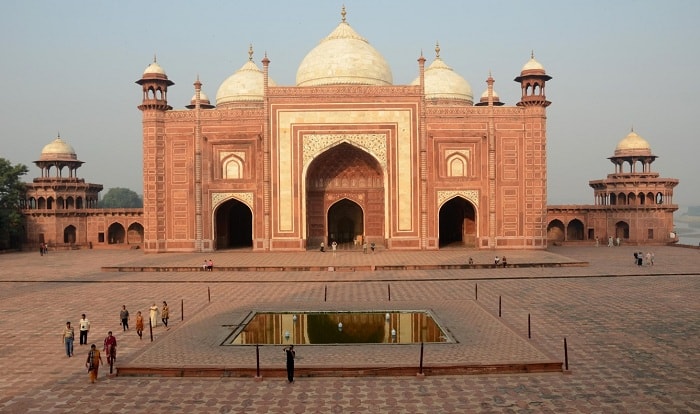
374,144
471,195
218,198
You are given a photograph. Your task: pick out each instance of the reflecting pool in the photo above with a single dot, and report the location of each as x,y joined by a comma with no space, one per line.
336,327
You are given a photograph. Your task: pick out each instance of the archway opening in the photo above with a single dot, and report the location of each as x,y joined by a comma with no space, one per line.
135,234
555,231
234,225
345,223
574,230
457,223
116,234
69,235
344,197
622,230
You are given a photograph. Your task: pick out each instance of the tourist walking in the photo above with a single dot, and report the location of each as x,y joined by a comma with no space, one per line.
84,327
165,314
110,348
94,360
372,246
323,247
291,354
610,241
334,247
124,316
67,339
153,315
364,247
139,324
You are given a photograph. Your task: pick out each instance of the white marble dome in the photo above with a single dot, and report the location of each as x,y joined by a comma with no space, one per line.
632,144
58,149
532,66
442,82
344,57
203,98
246,85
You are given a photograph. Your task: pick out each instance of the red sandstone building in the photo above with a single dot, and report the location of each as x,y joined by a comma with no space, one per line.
346,155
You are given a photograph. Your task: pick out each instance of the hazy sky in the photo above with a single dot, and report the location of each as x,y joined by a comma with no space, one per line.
69,67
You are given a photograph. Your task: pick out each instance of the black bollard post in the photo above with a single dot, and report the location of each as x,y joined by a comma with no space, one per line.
209,294
420,369
499,306
566,356
150,328
325,293
388,287
182,309
257,360
528,326
476,291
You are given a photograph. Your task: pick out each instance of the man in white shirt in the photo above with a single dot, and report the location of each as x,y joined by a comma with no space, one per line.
84,329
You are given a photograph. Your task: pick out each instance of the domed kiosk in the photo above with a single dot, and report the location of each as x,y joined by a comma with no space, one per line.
61,210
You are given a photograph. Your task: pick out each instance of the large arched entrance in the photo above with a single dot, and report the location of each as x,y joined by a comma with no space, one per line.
344,197
345,223
457,223
234,225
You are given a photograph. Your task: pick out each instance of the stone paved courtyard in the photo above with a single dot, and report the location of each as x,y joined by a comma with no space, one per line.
633,332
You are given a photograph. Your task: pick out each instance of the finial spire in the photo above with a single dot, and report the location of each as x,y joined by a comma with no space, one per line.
532,54
343,13
437,50
250,52
154,58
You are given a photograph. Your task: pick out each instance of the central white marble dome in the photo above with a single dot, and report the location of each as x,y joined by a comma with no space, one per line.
344,57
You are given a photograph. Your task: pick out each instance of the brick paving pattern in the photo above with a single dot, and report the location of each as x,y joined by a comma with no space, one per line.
633,332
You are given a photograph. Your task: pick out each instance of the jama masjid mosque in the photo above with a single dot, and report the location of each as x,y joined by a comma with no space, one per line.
346,155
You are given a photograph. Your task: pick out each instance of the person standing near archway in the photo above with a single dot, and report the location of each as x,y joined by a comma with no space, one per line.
291,354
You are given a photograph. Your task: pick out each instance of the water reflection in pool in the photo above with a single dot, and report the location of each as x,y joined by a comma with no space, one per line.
379,327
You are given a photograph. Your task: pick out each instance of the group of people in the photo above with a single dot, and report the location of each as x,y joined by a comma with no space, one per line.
94,359
208,265
644,259
498,261
43,249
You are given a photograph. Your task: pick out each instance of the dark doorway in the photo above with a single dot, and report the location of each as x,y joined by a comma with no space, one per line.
345,224
234,225
457,223
116,234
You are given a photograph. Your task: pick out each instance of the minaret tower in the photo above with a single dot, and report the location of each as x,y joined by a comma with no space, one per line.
532,80
154,105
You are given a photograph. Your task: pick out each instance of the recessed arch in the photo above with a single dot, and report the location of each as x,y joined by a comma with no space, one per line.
457,223
116,233
556,231
344,172
233,225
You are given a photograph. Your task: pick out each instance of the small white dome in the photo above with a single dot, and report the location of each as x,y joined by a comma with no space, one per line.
154,68
485,95
202,97
246,85
632,144
344,57
58,149
442,82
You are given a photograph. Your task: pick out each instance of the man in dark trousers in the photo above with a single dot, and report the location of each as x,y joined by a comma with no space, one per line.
290,362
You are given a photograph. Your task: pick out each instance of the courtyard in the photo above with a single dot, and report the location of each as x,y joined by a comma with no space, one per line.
632,332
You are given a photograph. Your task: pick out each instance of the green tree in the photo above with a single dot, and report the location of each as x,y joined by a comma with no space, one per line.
121,198
12,192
